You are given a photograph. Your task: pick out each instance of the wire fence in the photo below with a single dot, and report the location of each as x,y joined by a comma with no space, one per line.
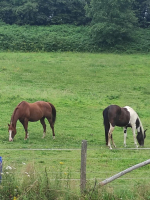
91,171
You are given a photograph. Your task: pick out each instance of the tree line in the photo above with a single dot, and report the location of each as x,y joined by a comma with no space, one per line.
111,23
56,12
43,12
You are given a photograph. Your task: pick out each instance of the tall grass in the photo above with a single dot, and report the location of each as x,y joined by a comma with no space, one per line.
30,185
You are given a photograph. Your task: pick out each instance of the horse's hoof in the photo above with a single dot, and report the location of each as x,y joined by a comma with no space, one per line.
44,134
53,137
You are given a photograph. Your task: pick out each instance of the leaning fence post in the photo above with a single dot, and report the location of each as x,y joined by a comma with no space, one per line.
108,180
0,169
83,166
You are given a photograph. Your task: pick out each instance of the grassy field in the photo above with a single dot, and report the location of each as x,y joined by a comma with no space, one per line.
80,85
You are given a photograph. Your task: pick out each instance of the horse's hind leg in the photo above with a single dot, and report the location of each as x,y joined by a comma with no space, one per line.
52,127
44,126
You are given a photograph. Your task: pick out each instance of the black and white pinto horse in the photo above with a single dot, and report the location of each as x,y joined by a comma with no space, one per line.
123,117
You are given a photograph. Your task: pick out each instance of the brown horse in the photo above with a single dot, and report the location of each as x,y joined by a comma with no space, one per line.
25,112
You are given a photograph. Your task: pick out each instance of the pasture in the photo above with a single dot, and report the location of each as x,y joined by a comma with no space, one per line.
80,86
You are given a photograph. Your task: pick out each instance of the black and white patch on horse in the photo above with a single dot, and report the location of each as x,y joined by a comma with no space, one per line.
124,117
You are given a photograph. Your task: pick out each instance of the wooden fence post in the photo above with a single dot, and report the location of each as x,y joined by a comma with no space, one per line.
83,166
0,168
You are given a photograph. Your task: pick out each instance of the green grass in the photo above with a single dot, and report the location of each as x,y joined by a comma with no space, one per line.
80,85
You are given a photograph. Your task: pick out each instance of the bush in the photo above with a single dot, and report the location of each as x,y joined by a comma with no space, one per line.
67,38
46,39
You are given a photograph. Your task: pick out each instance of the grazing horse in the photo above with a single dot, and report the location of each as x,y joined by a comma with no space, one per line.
123,117
25,112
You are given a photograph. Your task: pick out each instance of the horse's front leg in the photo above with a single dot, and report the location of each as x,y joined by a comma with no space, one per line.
125,135
110,136
25,125
112,141
134,136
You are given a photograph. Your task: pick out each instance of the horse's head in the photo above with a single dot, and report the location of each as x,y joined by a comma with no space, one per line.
12,132
140,137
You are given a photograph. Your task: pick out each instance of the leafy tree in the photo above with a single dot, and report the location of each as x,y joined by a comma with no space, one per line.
26,13
142,10
112,21
18,12
66,12
43,12
6,11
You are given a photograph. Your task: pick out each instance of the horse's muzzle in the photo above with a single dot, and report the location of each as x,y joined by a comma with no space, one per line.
10,139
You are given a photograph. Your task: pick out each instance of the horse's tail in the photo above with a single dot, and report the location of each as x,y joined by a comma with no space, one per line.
106,123
53,112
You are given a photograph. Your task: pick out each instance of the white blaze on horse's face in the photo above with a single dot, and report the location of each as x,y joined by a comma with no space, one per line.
10,136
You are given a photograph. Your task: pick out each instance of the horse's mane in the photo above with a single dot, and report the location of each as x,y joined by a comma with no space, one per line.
12,117
141,126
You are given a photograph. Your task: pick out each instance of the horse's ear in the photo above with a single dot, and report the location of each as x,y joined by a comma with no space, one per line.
144,133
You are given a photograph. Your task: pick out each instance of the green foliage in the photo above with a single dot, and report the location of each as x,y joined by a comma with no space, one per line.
54,38
71,38
41,12
142,11
109,34
112,21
